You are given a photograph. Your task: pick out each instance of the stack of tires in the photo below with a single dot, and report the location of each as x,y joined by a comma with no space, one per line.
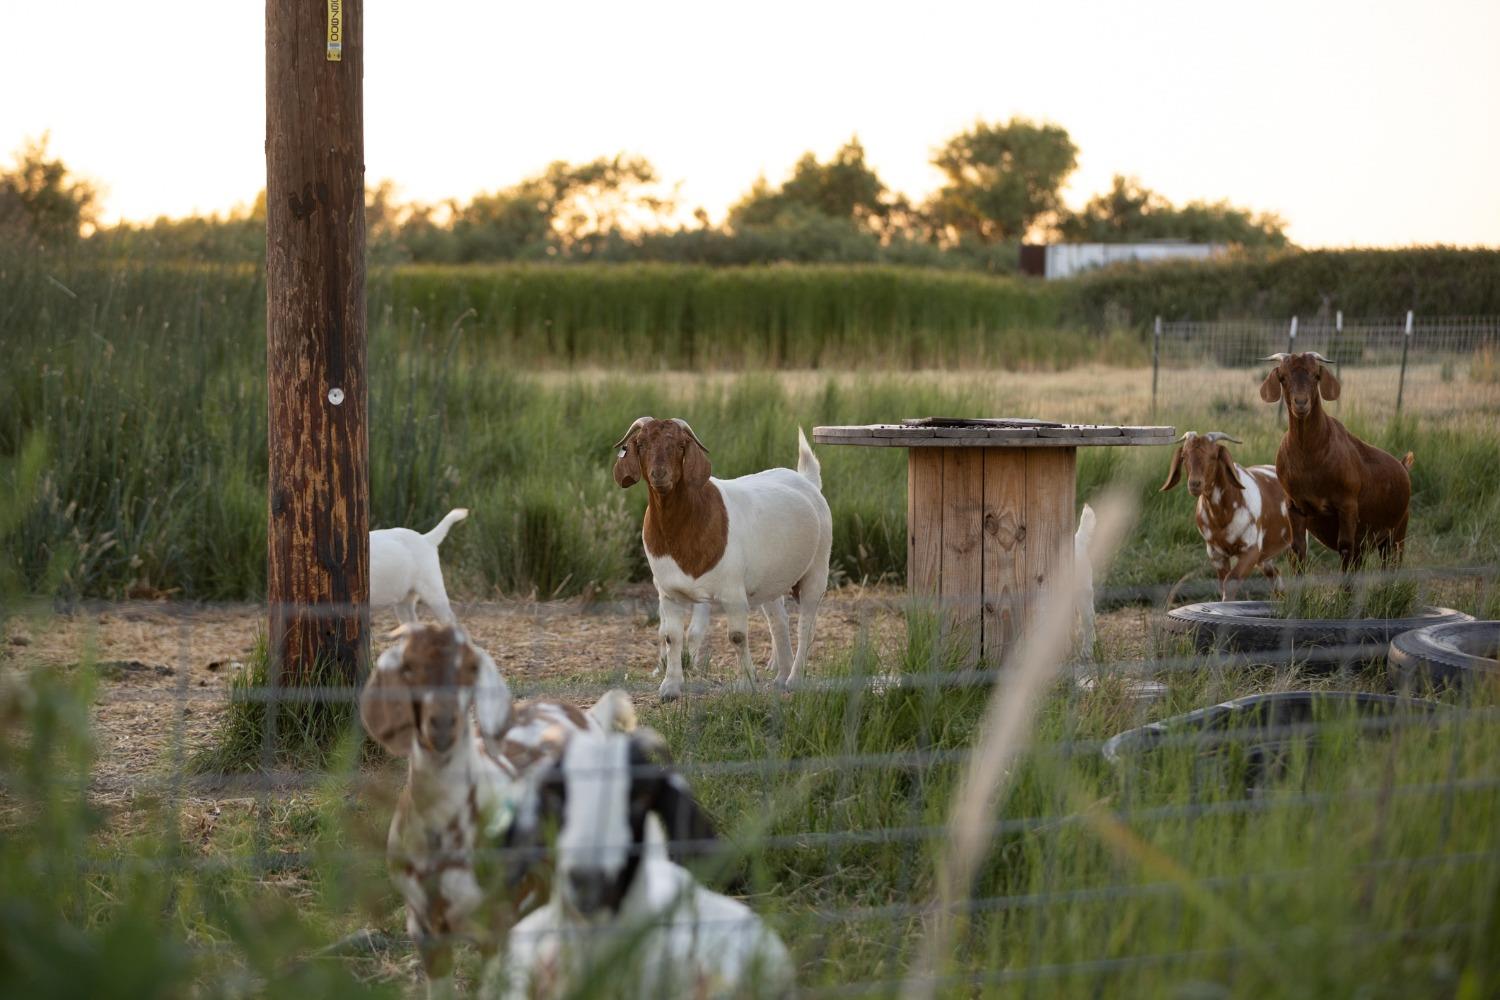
1436,647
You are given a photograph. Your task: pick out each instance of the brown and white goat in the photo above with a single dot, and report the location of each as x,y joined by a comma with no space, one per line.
1351,495
739,543
1241,513
439,700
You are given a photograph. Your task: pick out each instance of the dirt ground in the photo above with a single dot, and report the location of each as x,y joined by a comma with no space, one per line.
165,671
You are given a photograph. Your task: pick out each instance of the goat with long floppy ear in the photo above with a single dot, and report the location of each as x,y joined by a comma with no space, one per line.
1174,471
696,467
493,701
627,462
1270,389
1328,382
660,789
1226,463
385,705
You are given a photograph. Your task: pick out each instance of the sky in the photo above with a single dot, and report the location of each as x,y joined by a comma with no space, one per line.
1360,123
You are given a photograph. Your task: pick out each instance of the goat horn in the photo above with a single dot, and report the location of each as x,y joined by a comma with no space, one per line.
1278,357
1221,436
684,425
634,429
1185,436
1319,358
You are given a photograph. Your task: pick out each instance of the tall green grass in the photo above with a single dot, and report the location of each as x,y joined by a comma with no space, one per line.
651,317
1365,865
145,386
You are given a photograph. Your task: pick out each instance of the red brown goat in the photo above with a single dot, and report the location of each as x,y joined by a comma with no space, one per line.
1350,495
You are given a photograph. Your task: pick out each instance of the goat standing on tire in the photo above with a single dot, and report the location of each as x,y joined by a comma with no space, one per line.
1243,514
1350,495
739,543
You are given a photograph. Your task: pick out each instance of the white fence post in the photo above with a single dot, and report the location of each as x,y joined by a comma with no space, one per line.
1155,364
1405,350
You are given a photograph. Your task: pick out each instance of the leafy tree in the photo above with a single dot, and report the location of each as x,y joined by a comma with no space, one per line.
843,188
1003,179
40,197
565,208
1129,212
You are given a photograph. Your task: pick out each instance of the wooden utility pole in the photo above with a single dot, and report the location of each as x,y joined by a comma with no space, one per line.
318,582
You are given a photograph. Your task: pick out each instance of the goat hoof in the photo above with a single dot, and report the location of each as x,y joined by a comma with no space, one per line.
669,692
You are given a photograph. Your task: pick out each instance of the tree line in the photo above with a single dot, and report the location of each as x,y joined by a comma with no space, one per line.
1002,184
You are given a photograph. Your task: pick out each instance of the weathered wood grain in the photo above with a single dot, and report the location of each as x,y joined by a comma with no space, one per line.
924,519
1051,481
1005,536
961,586
318,537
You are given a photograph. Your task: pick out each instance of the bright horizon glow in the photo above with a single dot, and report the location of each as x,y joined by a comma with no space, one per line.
1358,123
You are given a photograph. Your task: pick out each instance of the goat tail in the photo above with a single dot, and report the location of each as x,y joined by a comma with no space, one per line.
436,535
614,712
807,462
1411,457
1085,527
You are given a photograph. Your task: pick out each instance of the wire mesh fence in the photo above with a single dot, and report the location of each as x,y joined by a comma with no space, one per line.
1436,365
151,761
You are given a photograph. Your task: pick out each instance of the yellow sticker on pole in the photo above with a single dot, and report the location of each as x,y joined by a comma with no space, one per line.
335,30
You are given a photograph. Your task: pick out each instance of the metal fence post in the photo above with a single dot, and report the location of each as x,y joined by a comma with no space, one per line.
1335,348
1155,364
1291,348
1405,349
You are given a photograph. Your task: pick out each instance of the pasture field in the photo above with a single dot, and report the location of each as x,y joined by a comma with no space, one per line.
133,861
140,396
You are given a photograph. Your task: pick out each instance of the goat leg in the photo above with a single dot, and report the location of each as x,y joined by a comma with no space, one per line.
1299,540
1349,553
737,611
674,616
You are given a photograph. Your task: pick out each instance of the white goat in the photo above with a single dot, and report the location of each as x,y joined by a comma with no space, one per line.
1083,582
621,912
739,543
404,567
464,784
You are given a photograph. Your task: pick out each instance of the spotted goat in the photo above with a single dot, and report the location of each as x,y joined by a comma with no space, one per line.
439,700
1242,514
622,911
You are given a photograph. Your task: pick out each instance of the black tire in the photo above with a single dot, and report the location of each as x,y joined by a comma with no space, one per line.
1264,721
1452,654
1252,627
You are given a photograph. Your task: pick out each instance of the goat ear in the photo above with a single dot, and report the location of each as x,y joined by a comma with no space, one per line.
1227,464
1328,384
1174,474
492,697
1270,389
696,467
627,466
385,705
685,821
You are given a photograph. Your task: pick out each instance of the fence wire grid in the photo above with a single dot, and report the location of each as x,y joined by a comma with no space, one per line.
1432,364
1235,849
